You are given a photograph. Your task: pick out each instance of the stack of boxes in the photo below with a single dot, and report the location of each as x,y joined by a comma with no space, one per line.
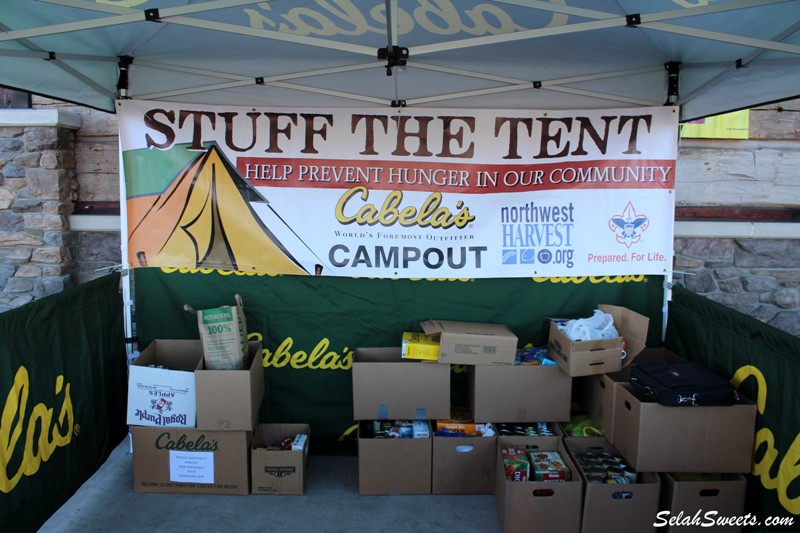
677,459
195,430
191,426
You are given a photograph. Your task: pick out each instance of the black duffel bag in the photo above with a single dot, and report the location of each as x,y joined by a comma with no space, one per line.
681,383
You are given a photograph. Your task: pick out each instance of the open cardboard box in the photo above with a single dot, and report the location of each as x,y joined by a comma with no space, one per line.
618,508
388,387
164,396
600,356
525,506
659,438
464,465
519,393
393,466
683,500
278,471
472,343
596,394
231,399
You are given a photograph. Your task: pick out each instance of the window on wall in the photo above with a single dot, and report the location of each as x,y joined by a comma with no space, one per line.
735,125
11,99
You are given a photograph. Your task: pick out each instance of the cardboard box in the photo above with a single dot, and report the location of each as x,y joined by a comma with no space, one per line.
388,387
191,461
464,465
393,466
278,471
596,394
519,393
419,346
525,506
619,508
600,356
659,438
164,396
688,503
231,399
472,343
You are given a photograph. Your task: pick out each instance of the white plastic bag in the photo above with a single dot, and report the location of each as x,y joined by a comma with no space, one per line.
598,326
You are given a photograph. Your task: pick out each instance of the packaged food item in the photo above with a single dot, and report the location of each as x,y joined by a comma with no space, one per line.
223,335
419,346
516,463
549,466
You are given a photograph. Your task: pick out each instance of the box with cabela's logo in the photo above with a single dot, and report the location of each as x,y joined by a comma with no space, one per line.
191,461
161,384
275,469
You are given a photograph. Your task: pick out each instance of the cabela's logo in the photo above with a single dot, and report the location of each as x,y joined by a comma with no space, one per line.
42,434
628,226
431,214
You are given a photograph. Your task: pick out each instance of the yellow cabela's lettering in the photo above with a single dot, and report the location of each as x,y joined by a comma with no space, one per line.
320,358
430,214
789,469
636,278
42,434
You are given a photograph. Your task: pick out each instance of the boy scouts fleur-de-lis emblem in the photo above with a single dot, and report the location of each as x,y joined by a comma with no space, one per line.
628,226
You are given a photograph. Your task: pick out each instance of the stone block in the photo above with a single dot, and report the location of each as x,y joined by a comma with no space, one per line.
28,160
17,284
20,300
17,238
15,255
787,298
720,249
51,255
47,286
681,262
701,282
759,284
730,285
38,139
57,159
727,272
7,197
767,253
45,221
49,184
59,270
29,270
764,313
788,321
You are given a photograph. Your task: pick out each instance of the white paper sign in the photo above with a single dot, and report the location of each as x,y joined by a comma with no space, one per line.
191,467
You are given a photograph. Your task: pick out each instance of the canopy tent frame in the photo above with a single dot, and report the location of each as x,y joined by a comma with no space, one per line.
597,20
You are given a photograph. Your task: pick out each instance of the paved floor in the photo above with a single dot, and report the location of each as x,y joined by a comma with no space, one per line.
331,503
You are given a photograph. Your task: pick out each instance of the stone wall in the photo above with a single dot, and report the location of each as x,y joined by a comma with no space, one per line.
759,277
37,193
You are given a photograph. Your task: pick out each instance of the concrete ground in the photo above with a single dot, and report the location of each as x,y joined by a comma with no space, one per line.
331,504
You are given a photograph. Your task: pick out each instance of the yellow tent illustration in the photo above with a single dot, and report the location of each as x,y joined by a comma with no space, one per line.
204,220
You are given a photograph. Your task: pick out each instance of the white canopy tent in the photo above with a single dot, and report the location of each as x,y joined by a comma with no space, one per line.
707,56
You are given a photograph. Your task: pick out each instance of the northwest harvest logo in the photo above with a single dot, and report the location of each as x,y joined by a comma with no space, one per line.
628,226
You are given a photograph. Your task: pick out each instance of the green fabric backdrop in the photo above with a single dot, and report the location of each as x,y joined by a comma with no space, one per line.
63,383
326,318
766,363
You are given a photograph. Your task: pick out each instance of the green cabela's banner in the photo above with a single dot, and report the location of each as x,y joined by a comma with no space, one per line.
399,193
310,326
63,382
764,363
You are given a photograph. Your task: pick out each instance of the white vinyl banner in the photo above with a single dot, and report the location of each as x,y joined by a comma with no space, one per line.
400,192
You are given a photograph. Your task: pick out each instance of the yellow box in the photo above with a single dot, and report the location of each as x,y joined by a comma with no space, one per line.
419,346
